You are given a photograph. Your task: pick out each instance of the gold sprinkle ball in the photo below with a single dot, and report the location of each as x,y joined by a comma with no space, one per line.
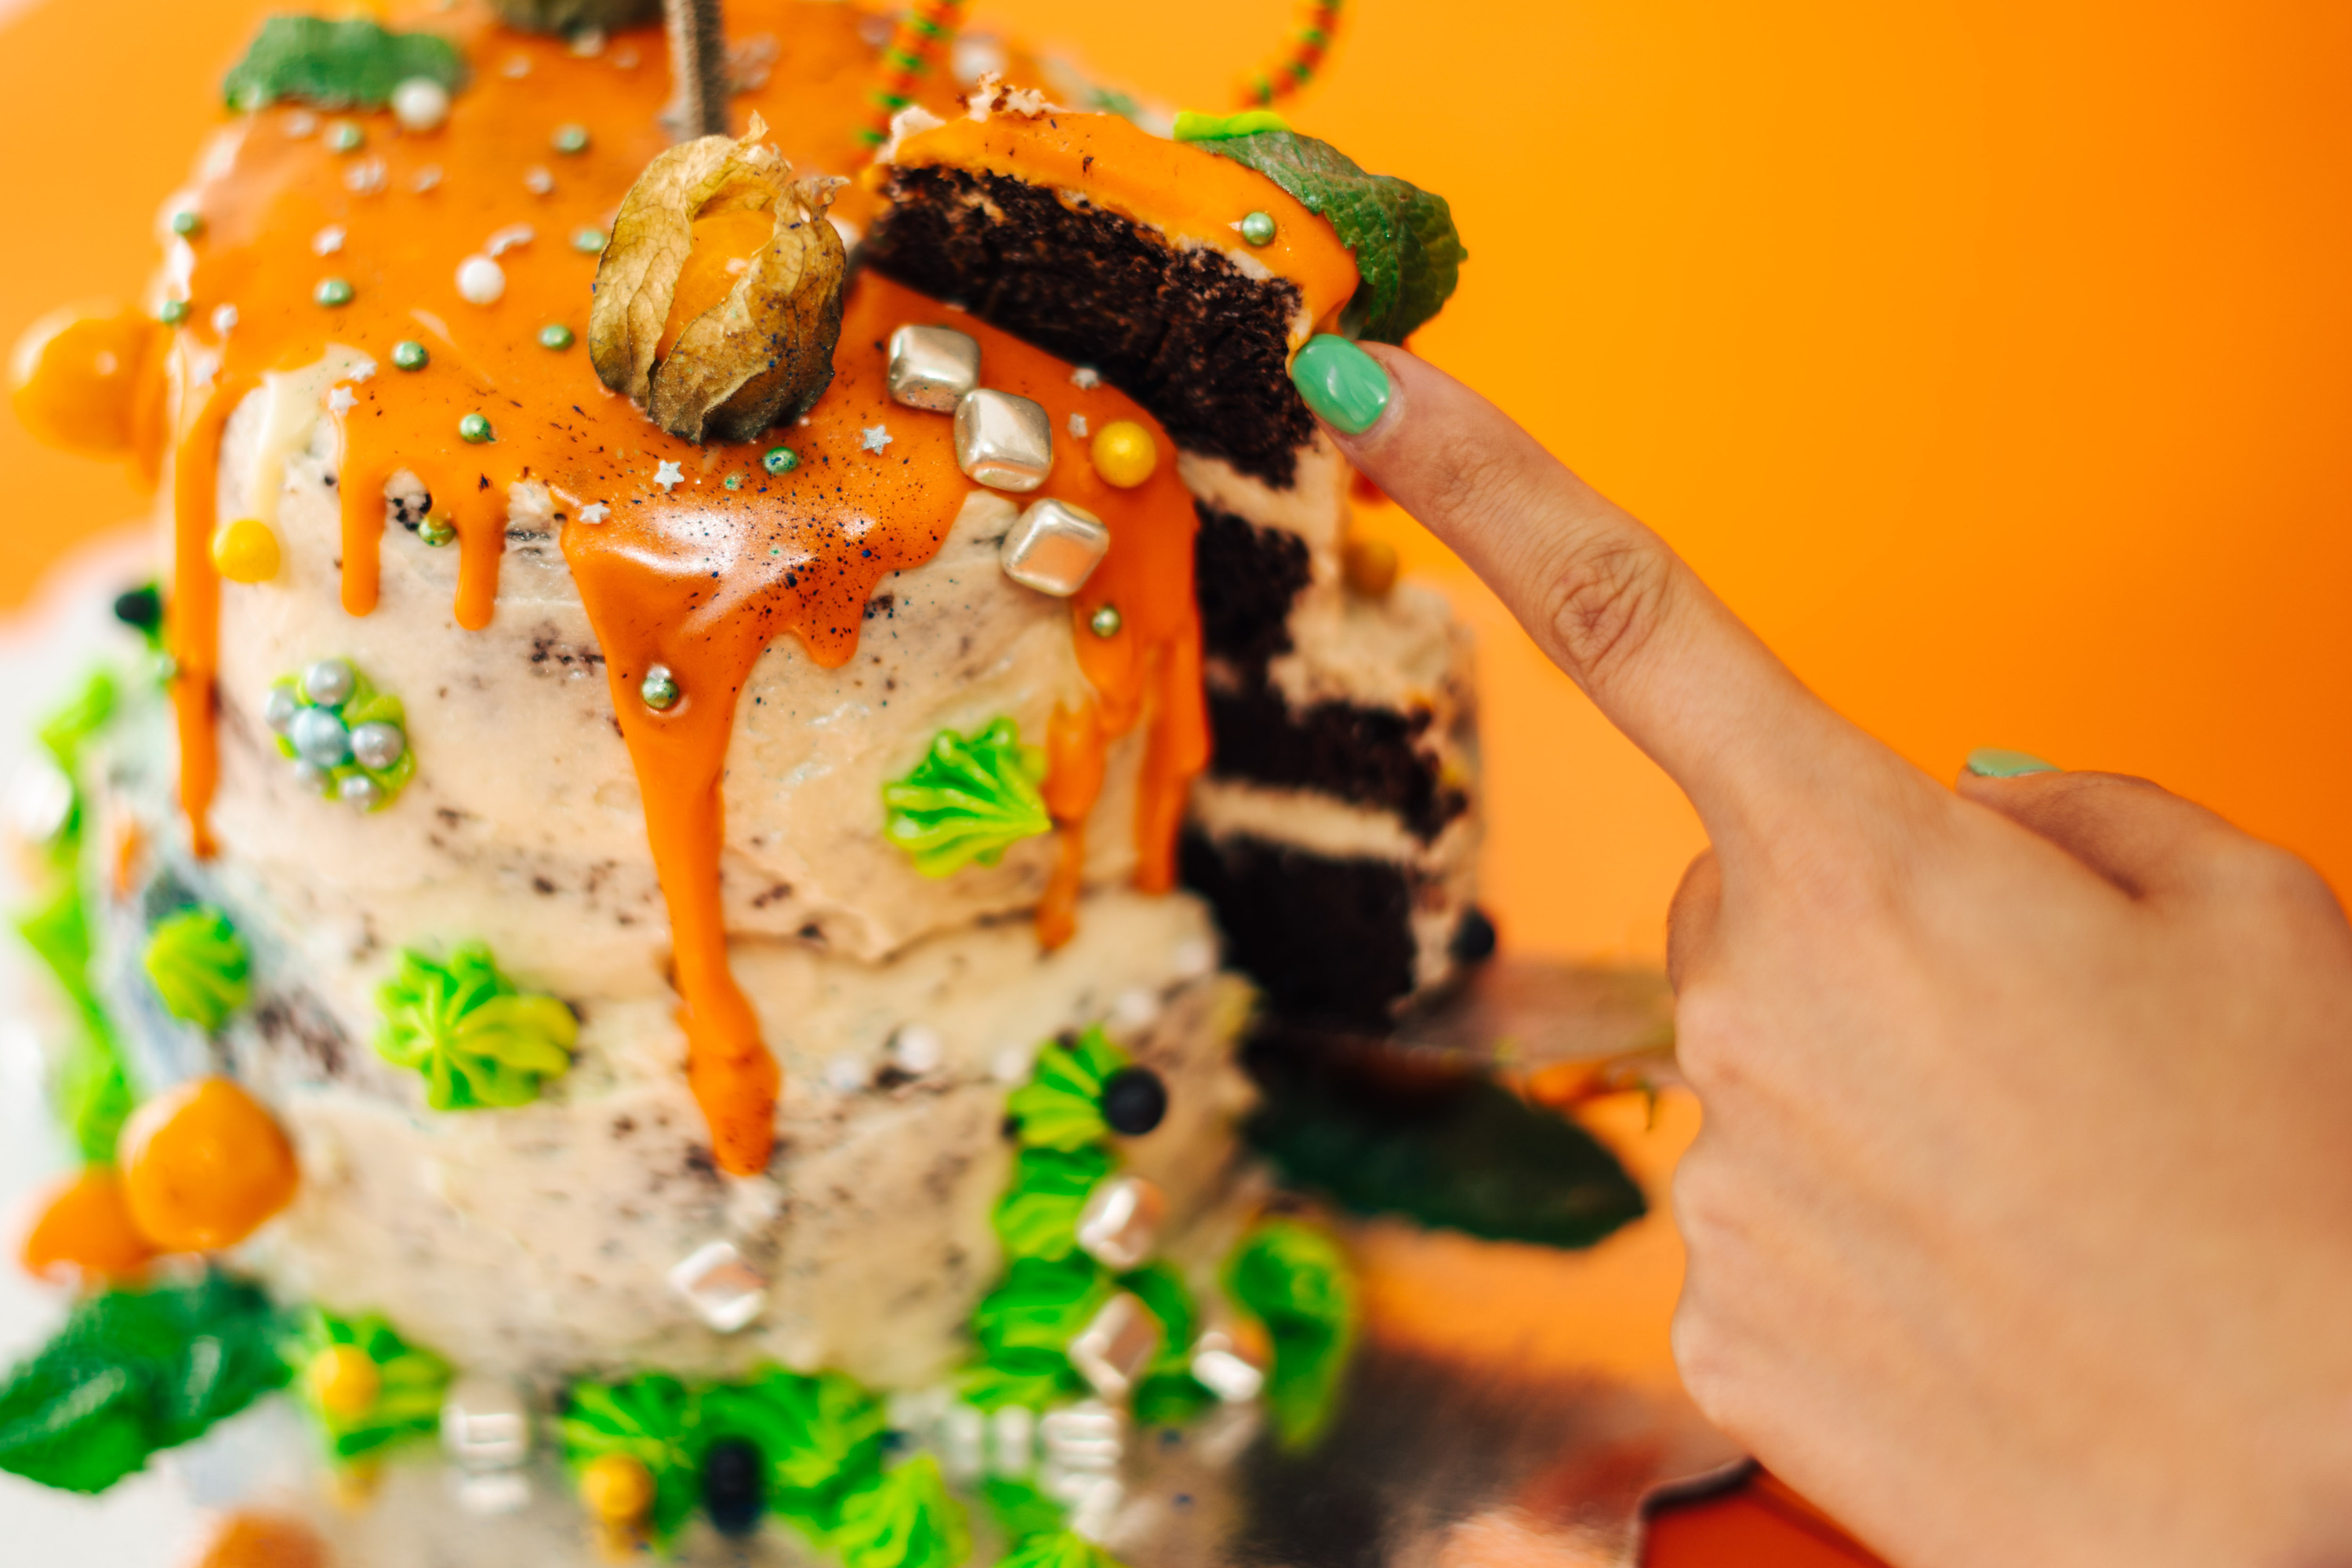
616,1487
344,1382
1125,454
1371,565
246,550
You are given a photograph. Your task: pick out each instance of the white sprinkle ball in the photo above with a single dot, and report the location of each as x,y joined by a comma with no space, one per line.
538,181
1086,378
626,57
420,104
844,1074
223,318
480,281
367,177
918,1048
595,511
517,67
328,240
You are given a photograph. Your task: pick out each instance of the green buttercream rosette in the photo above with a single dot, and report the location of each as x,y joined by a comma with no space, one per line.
199,967
902,1518
1061,1105
1024,1327
969,799
477,1040
1038,1215
1294,1278
407,1405
1056,1548
652,1419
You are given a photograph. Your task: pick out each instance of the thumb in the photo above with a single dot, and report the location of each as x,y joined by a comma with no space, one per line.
1603,596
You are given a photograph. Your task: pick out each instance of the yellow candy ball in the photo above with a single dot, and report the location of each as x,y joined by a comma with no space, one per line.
1125,455
246,550
1371,565
344,1382
616,1487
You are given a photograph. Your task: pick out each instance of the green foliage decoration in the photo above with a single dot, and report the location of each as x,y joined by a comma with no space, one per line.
1061,1105
1293,1278
199,965
969,799
902,1517
1056,1548
408,1404
351,63
1407,253
133,1372
478,1042
1025,1326
93,1088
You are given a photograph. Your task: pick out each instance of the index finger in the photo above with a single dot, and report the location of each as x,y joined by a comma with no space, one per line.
1607,600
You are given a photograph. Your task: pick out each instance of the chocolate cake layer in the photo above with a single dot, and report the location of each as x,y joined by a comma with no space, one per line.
1184,332
1246,578
1324,937
1368,756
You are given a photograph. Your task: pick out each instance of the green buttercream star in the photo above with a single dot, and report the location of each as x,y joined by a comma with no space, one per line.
968,799
478,1041
199,965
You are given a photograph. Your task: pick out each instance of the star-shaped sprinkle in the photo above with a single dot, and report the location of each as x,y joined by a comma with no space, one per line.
223,318
328,240
595,511
341,401
538,181
1078,426
668,475
426,177
1086,378
874,437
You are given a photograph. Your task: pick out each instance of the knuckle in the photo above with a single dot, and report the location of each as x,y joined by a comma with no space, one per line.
1604,596
1706,1356
1712,1038
2277,882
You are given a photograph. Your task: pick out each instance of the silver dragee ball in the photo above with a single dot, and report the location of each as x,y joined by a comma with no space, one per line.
309,775
319,738
377,744
360,791
329,682
278,710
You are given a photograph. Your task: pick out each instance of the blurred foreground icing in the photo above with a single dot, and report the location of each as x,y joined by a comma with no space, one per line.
347,64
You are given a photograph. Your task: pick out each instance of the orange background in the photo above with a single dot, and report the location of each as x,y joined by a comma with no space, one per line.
1994,361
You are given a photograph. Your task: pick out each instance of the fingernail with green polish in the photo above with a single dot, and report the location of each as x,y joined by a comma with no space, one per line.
1345,386
1993,762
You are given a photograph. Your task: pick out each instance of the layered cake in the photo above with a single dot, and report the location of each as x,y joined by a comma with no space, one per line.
736,726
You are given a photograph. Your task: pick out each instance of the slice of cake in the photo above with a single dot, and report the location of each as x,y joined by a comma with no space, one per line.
645,928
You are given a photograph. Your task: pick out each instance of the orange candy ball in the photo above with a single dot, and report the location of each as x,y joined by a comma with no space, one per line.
79,374
84,1231
203,1165
263,1541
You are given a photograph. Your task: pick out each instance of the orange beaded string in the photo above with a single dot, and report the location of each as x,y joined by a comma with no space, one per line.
1298,63
921,30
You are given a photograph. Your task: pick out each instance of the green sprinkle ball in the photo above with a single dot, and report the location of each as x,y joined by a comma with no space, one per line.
343,136
1105,622
781,461
588,241
660,689
188,224
173,312
734,481
436,531
409,354
332,293
555,335
474,428
570,139
1258,228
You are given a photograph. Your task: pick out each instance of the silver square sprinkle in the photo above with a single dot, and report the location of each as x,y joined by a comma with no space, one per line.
723,1290
485,1424
1003,440
932,367
1111,1352
1088,1436
1220,1367
1120,1221
1053,547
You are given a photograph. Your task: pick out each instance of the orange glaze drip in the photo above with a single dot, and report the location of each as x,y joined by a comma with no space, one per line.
1173,186
192,632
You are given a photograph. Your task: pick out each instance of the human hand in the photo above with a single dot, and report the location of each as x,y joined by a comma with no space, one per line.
2019,1228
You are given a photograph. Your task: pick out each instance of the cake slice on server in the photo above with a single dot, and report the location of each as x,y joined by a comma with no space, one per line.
1335,828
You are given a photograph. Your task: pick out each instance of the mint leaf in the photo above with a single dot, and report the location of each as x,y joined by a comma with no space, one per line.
1408,255
133,1372
347,64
